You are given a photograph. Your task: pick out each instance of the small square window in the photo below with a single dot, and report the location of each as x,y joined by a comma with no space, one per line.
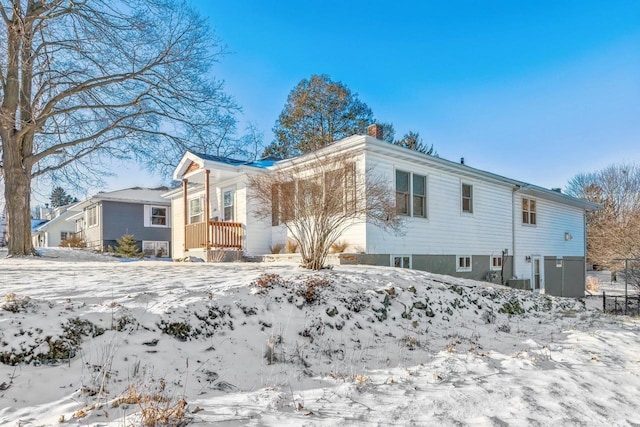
559,262
401,261
496,263
464,263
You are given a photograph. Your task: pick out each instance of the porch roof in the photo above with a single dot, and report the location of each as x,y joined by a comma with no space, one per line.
193,165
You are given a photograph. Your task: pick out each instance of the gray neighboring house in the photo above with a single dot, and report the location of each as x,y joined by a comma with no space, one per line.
105,217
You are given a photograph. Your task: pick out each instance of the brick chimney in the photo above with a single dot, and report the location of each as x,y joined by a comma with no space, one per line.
375,130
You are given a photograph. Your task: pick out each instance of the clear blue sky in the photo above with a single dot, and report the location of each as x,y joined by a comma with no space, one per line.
537,91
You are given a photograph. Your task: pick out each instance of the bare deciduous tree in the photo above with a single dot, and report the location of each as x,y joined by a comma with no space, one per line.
318,197
614,231
83,79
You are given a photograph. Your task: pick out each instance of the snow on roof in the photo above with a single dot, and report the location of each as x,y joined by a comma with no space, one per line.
262,163
135,194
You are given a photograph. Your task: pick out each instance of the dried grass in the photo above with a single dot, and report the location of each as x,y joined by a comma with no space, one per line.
291,247
339,247
277,248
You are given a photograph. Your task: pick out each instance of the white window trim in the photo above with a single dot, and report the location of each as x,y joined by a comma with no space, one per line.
528,224
97,216
462,211
559,262
234,205
189,213
493,267
464,269
426,190
393,256
155,242
148,210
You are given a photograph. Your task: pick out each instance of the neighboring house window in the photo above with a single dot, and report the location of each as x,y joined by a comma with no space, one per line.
195,211
228,202
156,216
464,263
496,263
401,261
411,194
92,216
467,198
155,248
528,211
64,235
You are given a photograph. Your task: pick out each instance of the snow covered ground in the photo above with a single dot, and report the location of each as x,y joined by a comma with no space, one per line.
91,340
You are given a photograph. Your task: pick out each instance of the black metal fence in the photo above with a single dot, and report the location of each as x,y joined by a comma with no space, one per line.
621,304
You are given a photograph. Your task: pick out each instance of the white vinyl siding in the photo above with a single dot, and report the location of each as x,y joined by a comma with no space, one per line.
547,238
445,231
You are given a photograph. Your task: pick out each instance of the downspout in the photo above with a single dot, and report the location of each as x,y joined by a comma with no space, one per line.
584,246
513,230
185,213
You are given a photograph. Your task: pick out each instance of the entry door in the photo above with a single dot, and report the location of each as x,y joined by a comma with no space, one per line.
537,273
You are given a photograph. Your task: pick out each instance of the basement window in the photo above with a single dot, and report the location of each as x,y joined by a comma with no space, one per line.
464,263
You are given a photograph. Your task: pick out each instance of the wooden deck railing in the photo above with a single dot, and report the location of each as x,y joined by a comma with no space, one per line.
226,234
220,234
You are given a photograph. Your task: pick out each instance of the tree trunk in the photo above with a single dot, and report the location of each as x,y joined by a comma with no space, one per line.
17,194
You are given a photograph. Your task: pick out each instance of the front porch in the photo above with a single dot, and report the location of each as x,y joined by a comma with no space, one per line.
213,235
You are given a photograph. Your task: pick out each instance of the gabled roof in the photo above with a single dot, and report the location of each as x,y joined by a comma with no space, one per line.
148,196
192,162
44,226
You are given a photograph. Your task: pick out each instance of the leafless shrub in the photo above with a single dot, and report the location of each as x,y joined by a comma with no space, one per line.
216,255
73,241
310,287
316,197
267,281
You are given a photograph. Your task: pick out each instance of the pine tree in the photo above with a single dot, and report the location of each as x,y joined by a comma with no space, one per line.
59,197
127,246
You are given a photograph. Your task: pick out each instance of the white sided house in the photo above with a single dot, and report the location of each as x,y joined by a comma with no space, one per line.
458,220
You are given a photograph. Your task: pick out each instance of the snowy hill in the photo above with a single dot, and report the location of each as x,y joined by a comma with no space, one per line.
86,340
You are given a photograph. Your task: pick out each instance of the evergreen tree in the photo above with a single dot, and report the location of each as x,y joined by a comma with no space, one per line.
59,197
412,141
127,246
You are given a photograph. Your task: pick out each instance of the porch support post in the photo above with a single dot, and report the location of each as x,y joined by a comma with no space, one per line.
206,209
185,211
